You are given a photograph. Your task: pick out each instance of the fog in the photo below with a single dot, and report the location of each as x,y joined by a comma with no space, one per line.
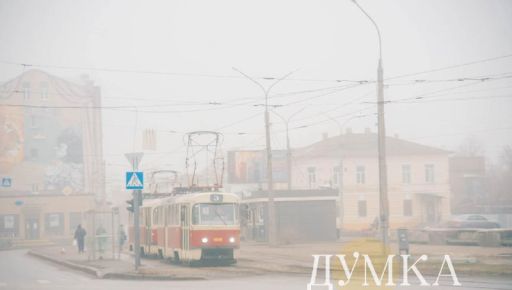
200,41
140,75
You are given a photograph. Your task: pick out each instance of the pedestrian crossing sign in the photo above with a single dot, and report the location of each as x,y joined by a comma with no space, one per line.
6,182
134,180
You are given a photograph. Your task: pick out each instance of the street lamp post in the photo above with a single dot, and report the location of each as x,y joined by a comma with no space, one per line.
271,208
383,183
288,146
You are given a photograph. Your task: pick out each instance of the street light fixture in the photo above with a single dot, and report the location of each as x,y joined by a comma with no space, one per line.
271,211
383,183
340,125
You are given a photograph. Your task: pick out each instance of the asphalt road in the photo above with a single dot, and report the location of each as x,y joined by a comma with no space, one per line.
21,271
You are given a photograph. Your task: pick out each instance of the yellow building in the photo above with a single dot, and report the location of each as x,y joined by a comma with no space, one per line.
418,179
51,164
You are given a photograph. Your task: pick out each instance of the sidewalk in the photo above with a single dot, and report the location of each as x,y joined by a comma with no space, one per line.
150,269
259,259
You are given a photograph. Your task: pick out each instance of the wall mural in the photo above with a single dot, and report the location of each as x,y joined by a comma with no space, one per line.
11,138
65,174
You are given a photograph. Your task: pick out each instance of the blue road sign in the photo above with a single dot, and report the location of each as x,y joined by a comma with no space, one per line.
134,180
6,182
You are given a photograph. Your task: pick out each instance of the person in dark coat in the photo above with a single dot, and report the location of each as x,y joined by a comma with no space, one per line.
80,237
122,237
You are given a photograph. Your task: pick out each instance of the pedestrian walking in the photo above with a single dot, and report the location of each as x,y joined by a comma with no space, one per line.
122,239
80,237
101,235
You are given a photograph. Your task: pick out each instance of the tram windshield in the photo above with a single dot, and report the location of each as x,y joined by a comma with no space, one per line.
214,214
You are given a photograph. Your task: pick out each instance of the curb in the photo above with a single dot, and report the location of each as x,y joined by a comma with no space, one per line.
134,276
86,269
110,275
470,269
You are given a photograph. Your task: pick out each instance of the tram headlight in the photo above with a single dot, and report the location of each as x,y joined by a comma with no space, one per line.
204,240
232,240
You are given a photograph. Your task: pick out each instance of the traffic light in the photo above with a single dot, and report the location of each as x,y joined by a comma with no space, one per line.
131,202
130,207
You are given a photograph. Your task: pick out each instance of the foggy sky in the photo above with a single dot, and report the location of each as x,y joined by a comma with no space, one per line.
322,41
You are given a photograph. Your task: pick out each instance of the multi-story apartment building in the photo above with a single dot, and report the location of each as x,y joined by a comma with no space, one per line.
50,155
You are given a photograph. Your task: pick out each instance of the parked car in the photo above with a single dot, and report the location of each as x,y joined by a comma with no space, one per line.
472,221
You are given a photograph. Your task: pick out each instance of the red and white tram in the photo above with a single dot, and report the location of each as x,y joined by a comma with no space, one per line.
192,227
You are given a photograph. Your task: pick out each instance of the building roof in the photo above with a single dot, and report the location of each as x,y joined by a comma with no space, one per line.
82,92
364,144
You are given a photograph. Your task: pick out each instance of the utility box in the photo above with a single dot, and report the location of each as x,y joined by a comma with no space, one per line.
403,241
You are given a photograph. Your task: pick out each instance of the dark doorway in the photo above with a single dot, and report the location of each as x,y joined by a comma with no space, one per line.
31,228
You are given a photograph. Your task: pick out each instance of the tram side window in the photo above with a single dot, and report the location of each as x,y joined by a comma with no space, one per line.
147,213
167,215
195,214
161,216
158,216
155,216
172,215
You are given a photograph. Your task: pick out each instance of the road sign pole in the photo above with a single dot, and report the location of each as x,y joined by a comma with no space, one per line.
136,221
134,159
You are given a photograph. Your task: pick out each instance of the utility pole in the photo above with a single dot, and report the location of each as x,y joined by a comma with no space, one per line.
134,159
288,146
136,224
270,184
383,180
288,158
341,205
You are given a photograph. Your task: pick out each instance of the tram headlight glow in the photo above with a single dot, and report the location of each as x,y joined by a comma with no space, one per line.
232,240
204,240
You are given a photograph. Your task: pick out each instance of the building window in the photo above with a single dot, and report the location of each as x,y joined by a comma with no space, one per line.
360,175
406,174
311,175
407,207
336,175
54,223
260,215
26,90
44,91
149,139
9,225
429,173
361,208
33,121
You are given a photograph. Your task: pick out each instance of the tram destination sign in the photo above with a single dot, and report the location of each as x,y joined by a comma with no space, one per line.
216,197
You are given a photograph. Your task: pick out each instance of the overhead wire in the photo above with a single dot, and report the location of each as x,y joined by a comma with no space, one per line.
225,76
